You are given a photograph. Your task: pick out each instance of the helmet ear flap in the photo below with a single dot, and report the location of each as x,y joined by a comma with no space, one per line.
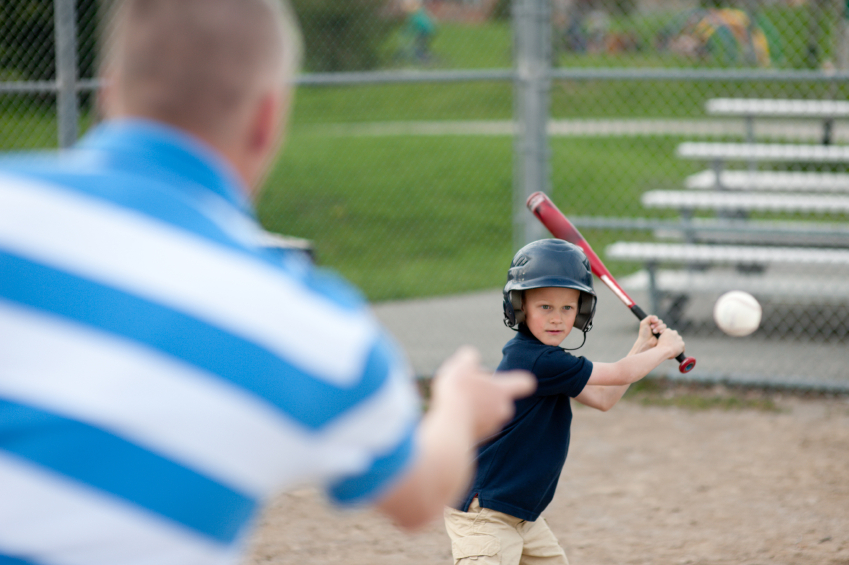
516,300
586,312
513,314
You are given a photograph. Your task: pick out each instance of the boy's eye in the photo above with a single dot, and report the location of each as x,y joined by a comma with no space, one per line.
567,307
546,307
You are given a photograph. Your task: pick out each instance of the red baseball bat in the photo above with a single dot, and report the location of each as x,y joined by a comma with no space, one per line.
560,227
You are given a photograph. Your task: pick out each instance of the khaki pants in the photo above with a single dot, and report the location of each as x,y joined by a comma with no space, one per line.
485,537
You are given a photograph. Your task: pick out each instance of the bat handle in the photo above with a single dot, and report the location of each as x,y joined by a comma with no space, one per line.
685,364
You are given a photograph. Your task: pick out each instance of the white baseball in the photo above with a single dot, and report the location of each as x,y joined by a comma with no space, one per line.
737,313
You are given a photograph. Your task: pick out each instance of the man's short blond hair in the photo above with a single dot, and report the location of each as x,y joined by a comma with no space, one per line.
195,63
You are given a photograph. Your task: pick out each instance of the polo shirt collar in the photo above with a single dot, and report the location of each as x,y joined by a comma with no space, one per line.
170,153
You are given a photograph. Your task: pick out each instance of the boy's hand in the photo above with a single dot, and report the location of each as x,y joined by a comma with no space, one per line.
472,393
650,326
670,339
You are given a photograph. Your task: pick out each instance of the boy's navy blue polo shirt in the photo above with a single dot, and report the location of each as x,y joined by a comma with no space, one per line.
518,470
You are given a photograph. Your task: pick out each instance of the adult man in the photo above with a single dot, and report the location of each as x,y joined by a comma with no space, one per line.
161,373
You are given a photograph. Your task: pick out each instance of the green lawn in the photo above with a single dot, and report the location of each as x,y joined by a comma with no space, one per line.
24,127
400,102
415,216
29,122
400,217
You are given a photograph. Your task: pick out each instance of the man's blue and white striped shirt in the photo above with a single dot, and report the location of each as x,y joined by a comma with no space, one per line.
161,373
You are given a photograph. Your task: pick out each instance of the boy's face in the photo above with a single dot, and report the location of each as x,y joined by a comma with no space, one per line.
550,312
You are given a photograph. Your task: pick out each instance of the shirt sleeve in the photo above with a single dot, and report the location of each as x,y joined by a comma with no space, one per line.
378,478
559,372
382,433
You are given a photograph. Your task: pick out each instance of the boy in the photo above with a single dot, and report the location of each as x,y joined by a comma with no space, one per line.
548,292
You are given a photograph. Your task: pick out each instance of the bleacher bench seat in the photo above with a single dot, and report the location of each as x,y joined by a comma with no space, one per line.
765,107
686,253
756,232
778,181
752,202
763,152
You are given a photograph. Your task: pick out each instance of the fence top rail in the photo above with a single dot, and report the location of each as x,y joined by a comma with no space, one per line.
665,74
572,73
761,107
45,86
776,152
505,74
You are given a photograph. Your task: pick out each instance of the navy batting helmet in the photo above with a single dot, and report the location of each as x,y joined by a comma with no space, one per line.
549,263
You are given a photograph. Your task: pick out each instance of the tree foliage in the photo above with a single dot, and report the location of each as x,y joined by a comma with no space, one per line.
346,35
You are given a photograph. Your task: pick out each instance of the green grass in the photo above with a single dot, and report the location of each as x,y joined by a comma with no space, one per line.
416,216
29,122
400,102
399,217
487,46
698,397
23,127
569,99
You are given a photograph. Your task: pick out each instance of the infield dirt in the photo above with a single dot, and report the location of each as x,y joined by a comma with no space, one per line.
643,484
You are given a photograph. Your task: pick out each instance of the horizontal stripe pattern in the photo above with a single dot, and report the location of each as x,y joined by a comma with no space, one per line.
106,462
51,520
311,401
188,415
169,266
9,560
379,475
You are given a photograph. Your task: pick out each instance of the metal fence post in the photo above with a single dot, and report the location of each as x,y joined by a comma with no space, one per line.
843,35
532,54
64,14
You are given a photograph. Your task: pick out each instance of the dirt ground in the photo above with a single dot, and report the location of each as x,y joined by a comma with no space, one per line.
644,484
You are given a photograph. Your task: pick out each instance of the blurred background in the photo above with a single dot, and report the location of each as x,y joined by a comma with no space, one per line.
420,128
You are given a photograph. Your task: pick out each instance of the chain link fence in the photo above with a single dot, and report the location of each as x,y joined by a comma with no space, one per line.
419,129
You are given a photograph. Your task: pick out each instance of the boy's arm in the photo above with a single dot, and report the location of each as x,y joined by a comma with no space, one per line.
609,381
467,405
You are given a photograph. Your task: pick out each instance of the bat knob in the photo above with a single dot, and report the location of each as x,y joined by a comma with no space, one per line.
534,200
687,364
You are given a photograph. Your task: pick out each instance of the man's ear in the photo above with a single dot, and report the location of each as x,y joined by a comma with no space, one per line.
264,136
267,125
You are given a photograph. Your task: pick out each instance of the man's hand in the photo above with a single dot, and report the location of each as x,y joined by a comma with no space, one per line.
467,405
462,386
